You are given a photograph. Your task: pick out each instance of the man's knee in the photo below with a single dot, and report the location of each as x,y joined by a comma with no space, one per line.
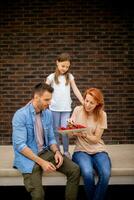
75,170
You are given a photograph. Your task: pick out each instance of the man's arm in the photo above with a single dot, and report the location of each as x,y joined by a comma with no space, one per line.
58,156
54,148
46,166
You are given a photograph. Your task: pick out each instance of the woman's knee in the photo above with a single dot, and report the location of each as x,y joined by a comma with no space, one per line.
88,175
105,176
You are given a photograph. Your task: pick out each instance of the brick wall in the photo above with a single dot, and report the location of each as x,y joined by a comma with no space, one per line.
99,35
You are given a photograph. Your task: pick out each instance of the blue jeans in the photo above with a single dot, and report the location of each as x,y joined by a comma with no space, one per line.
90,165
60,119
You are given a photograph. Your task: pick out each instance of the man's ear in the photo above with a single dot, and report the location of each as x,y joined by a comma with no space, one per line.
36,97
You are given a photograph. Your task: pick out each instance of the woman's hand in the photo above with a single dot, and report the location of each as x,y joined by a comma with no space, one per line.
81,134
70,121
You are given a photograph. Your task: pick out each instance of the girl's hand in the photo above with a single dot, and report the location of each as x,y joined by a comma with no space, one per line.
82,102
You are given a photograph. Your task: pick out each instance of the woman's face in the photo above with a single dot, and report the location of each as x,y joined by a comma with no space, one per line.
90,103
63,67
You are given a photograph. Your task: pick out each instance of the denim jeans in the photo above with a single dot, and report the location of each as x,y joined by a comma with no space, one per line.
91,165
60,119
33,181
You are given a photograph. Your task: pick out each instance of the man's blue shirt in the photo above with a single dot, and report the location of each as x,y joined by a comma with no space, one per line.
24,135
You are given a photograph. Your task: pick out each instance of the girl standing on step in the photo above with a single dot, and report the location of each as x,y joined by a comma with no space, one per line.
90,151
61,80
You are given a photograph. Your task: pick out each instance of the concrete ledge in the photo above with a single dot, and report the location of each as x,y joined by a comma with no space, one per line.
122,157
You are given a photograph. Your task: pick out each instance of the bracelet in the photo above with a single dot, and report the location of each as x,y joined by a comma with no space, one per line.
56,151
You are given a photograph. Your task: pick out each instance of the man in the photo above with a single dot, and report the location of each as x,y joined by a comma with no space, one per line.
35,147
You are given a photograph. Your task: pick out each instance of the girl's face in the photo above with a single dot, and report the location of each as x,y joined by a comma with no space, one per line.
90,103
63,67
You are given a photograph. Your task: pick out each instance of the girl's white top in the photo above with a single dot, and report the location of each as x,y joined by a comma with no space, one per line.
61,97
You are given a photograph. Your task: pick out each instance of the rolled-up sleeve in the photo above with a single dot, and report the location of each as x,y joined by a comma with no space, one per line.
19,135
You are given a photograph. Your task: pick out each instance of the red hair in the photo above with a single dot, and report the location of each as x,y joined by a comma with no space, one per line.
98,97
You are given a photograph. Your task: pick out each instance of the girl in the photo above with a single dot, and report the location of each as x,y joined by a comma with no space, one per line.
90,151
61,80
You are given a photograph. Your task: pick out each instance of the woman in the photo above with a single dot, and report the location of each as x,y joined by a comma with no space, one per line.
90,151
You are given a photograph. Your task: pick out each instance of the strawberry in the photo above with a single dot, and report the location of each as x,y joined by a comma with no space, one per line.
72,126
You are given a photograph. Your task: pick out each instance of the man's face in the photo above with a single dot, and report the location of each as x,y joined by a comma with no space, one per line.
42,102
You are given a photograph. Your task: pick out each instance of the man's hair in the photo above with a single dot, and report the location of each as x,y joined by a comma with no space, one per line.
40,88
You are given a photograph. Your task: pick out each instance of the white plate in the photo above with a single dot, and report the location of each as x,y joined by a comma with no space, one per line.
72,130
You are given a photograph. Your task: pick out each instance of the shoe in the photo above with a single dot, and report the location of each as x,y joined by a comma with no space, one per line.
68,155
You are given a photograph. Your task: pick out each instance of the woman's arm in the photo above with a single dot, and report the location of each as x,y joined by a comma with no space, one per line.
96,137
76,91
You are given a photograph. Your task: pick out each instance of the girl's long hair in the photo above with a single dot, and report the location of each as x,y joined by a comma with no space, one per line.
98,97
61,58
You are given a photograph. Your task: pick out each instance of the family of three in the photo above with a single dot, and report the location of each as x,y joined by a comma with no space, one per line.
36,149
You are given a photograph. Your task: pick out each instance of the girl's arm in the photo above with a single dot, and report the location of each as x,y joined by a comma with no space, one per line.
76,91
47,81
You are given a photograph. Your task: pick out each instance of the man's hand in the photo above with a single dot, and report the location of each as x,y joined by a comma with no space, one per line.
47,166
58,159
